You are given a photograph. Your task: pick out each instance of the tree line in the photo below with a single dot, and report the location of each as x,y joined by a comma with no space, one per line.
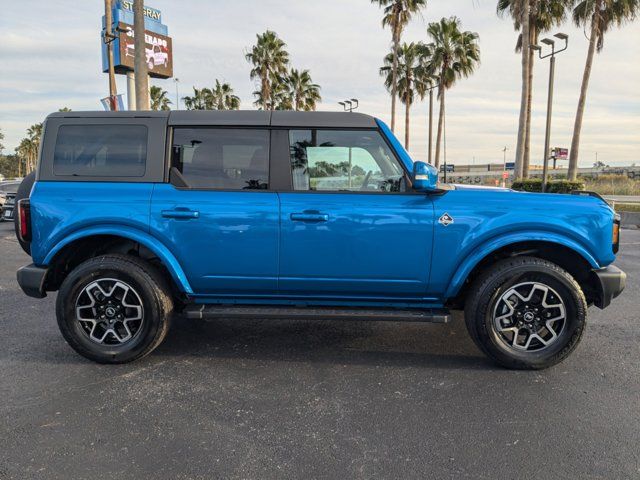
411,69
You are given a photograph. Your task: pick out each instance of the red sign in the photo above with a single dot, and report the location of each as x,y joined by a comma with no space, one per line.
560,153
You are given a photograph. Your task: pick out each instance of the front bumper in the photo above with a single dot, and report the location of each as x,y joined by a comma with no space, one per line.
610,282
31,280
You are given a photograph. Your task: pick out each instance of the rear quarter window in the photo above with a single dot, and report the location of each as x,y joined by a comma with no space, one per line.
101,151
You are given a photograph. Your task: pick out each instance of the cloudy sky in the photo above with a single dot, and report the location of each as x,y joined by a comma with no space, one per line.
50,57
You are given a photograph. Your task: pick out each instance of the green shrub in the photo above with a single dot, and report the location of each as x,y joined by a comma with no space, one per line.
553,186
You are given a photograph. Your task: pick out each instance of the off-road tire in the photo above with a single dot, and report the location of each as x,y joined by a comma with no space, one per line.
491,284
150,285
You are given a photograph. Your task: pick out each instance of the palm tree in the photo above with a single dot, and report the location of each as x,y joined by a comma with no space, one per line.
159,98
270,60
197,102
455,54
397,14
411,77
304,94
543,16
1,139
599,16
221,97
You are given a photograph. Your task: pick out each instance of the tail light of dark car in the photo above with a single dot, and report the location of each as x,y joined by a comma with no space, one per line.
616,233
24,219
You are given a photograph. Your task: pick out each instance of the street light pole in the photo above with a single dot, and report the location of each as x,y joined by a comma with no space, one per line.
176,81
504,166
552,66
431,120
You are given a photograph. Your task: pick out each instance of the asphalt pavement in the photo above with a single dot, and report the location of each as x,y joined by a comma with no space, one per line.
316,399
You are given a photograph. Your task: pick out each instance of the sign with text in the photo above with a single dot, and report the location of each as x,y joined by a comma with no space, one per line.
560,153
158,52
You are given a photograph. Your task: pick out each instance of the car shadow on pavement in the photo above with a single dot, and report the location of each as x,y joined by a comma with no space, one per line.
326,341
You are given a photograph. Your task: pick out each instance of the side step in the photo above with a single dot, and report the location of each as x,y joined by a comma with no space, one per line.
317,313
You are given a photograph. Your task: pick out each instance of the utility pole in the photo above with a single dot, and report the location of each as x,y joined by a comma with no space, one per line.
552,66
140,60
108,39
504,166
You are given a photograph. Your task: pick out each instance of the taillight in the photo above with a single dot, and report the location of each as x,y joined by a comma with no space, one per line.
616,233
24,219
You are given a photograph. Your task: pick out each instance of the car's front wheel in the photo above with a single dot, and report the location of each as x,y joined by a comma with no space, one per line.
151,64
114,308
526,313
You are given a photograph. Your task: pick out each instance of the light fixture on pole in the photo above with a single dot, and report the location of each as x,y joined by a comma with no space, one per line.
349,105
552,64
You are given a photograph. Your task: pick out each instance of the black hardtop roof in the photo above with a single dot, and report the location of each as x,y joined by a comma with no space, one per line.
257,118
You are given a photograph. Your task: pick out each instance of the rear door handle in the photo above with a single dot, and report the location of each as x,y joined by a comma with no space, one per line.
180,213
310,217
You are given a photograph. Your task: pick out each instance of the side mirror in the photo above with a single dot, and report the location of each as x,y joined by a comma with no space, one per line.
425,177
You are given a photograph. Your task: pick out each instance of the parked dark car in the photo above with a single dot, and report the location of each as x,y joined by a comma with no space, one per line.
7,199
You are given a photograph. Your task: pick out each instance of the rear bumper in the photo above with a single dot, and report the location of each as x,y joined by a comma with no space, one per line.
610,283
31,280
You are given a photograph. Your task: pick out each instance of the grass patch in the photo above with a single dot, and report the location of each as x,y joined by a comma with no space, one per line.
627,207
612,185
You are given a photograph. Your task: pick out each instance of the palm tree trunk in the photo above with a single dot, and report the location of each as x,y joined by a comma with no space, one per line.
522,122
577,127
394,78
526,162
440,123
430,122
406,122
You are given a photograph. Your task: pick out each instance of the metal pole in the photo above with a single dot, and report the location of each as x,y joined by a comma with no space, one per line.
177,80
140,59
430,122
108,39
545,165
504,166
444,134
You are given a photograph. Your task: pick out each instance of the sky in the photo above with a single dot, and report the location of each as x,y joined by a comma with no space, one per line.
50,57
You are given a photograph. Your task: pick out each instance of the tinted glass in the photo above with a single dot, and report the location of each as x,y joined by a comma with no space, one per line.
220,158
349,160
101,150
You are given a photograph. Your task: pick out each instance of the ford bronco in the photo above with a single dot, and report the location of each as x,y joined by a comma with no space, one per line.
134,215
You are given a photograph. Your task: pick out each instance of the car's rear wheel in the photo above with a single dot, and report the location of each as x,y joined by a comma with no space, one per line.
114,308
526,313
150,64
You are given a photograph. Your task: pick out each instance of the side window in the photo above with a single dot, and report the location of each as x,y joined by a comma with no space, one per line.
222,158
101,151
343,160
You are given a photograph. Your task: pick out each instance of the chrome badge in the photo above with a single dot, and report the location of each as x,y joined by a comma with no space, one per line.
445,220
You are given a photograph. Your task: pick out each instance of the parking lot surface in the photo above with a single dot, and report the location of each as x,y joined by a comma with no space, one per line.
315,399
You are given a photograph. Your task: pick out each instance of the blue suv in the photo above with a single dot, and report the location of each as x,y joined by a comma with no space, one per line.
135,215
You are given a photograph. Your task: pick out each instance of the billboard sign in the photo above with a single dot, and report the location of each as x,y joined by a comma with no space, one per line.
158,51
560,153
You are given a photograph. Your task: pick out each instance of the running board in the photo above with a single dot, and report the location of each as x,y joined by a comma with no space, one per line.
317,313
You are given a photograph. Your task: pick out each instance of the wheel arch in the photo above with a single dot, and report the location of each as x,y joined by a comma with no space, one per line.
564,252
88,243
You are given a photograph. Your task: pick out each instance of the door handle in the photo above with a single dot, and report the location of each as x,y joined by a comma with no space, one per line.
180,213
310,217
